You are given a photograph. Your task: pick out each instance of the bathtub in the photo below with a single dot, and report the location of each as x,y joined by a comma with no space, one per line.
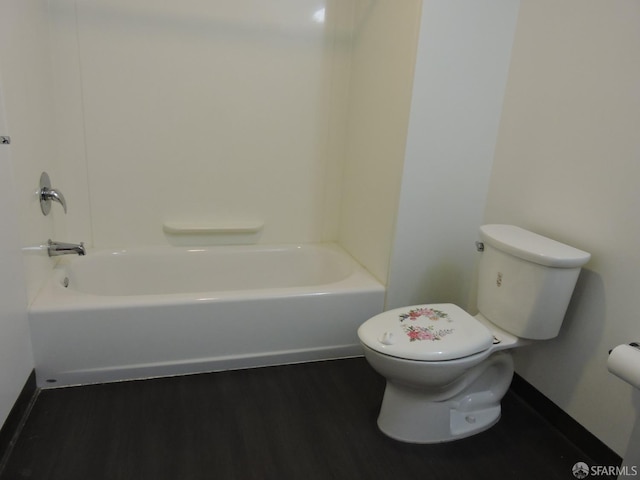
160,311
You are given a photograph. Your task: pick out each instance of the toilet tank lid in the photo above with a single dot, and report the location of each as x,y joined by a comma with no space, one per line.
532,247
434,332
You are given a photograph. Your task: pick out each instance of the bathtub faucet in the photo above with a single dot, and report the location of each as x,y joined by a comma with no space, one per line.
60,248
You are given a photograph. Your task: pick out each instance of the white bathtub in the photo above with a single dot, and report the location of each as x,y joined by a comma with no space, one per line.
161,311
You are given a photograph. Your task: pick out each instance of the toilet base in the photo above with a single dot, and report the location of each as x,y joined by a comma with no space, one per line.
415,415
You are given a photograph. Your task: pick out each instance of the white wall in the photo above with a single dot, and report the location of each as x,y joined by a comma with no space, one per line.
200,112
384,50
16,359
461,70
25,115
26,80
568,165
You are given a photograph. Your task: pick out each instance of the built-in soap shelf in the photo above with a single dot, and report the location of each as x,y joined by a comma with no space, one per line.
227,227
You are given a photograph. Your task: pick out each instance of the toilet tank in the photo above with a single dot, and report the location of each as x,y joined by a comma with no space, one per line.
525,280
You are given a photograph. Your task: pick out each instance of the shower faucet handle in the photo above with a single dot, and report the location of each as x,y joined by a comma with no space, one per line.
47,193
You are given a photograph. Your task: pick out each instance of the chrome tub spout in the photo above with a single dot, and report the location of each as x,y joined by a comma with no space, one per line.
60,248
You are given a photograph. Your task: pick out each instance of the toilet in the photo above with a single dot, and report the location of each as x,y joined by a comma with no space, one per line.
447,370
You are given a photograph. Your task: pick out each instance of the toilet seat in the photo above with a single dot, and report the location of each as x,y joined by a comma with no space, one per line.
433,332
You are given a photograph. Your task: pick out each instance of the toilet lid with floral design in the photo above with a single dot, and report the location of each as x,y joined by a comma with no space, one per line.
434,332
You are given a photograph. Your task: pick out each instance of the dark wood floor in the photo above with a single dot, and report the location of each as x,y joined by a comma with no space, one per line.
302,422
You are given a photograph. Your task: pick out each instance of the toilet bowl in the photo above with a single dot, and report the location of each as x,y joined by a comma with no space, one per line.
436,390
446,370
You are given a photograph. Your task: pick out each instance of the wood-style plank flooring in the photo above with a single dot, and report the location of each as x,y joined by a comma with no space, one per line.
299,422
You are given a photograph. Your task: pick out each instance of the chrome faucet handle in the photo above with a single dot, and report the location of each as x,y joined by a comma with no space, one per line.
47,194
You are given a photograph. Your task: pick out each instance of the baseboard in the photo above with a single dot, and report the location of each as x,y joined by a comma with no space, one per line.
16,418
597,451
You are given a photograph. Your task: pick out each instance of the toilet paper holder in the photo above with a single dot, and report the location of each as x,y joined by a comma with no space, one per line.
624,363
632,344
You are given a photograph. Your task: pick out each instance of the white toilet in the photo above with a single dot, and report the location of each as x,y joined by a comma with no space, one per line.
446,370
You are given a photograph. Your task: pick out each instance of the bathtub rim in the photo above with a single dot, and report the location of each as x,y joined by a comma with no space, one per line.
53,296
